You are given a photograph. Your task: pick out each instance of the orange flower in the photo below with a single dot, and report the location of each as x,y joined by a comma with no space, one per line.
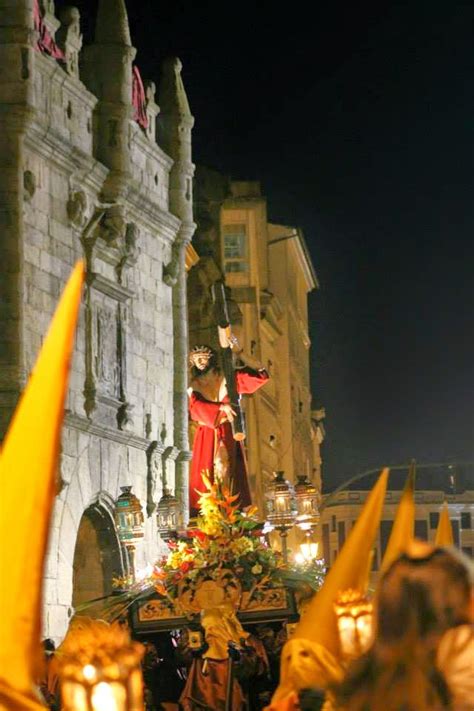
158,574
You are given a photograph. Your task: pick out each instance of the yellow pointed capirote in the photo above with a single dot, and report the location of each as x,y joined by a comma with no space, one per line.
444,533
403,529
28,466
351,569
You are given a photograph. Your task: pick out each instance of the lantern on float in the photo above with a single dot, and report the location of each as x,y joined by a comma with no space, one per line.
306,497
307,553
129,521
354,613
99,669
167,515
280,509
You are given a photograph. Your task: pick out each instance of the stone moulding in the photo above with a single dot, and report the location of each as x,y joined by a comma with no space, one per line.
78,422
109,288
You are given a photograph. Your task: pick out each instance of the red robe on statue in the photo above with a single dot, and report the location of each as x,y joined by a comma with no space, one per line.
214,433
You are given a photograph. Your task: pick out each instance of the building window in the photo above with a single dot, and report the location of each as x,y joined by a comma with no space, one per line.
434,519
333,524
466,520
385,530
235,248
455,525
421,529
326,542
341,534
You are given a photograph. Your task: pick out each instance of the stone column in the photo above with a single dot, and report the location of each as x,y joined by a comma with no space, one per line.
174,134
107,72
17,186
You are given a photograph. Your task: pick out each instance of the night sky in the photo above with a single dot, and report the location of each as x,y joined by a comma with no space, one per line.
358,121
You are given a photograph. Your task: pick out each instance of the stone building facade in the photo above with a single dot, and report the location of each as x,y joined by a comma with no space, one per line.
88,171
433,488
269,274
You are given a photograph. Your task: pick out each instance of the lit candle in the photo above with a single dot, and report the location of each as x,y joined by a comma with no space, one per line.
280,504
104,699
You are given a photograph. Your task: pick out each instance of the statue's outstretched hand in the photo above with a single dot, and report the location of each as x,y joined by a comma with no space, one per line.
226,408
227,339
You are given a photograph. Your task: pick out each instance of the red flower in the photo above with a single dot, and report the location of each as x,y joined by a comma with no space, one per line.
196,533
186,566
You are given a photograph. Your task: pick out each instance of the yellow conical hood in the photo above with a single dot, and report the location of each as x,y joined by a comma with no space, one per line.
403,529
350,570
444,532
28,466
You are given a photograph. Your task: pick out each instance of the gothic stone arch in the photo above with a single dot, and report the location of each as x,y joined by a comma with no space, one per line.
97,556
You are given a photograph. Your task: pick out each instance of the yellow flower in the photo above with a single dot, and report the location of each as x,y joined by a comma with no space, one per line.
241,546
256,569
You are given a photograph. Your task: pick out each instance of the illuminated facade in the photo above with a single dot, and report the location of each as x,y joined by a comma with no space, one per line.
340,514
270,274
88,172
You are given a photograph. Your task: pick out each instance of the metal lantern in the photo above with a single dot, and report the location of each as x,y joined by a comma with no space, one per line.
129,516
129,520
307,553
280,511
167,515
99,669
306,496
354,613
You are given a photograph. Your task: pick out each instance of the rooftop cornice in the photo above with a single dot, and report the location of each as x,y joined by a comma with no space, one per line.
149,213
152,149
72,84
46,142
301,249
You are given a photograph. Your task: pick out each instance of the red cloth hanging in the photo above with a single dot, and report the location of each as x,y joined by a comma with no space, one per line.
139,99
45,43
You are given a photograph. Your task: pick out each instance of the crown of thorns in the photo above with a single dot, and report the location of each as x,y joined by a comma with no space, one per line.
200,350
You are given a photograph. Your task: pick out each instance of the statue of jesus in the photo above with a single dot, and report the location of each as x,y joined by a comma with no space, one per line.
214,448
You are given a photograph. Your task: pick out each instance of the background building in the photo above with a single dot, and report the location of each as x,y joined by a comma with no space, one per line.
269,274
83,177
433,487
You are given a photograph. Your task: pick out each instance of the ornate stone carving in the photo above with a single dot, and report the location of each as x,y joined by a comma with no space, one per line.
108,241
29,185
113,226
105,389
154,473
152,109
77,208
69,38
129,250
106,362
150,89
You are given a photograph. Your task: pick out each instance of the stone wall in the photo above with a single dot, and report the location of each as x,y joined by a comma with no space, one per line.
59,203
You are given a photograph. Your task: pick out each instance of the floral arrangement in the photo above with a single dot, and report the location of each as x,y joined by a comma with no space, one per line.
226,546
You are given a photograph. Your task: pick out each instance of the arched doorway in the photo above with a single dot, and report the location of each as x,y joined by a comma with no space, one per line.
97,556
